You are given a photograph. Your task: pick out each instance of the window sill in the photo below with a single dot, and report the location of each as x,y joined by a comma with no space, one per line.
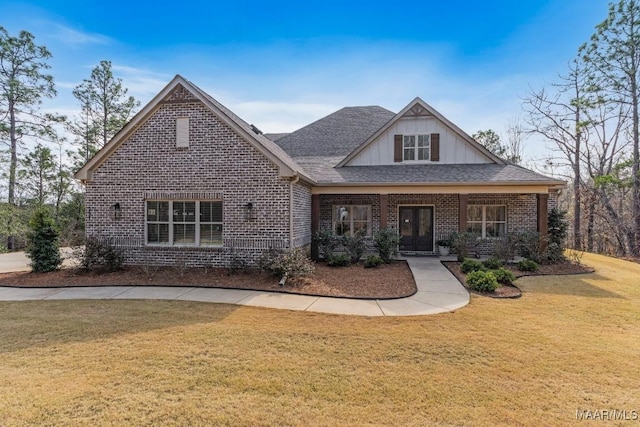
149,246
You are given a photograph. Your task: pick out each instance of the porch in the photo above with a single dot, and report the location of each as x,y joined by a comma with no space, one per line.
423,218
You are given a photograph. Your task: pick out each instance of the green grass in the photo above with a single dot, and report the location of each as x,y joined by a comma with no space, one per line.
571,342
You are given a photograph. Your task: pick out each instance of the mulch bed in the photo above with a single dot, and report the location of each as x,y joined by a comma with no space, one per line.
384,282
506,291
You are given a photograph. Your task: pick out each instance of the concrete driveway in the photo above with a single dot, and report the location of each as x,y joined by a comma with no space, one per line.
18,261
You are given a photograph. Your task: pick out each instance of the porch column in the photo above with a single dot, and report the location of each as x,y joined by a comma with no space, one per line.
543,199
384,206
315,224
462,212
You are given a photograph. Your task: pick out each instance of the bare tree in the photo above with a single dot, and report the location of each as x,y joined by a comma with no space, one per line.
558,117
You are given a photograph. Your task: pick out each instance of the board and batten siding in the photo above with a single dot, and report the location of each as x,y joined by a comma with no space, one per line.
453,148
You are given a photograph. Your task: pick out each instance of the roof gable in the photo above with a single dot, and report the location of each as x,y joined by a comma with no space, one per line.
417,109
286,165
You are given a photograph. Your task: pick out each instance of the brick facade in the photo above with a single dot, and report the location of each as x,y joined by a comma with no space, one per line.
218,164
521,209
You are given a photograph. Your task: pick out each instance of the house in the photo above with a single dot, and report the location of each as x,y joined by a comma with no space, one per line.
186,180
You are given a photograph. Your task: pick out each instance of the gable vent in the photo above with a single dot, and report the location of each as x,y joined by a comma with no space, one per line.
182,132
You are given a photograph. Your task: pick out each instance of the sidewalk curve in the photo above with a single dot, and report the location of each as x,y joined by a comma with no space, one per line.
438,292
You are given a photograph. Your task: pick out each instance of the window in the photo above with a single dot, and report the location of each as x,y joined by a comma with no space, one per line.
348,219
416,147
184,223
487,221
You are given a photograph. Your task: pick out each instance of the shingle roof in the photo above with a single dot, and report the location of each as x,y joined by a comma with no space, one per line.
275,136
336,134
322,170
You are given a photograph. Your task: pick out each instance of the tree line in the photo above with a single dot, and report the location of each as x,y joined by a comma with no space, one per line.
38,160
590,117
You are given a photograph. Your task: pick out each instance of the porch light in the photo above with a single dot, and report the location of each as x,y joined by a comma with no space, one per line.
116,211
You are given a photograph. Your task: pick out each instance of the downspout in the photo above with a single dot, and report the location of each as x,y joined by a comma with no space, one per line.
295,179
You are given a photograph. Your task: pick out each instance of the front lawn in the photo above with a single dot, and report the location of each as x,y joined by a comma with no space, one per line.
571,343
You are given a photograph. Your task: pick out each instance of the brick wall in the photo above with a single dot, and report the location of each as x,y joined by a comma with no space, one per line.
301,215
219,164
521,209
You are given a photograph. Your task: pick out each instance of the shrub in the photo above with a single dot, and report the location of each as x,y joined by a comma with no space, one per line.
386,242
287,264
42,247
482,281
267,260
372,261
461,242
504,276
445,242
493,263
529,245
528,265
355,245
327,242
469,265
98,254
504,248
340,260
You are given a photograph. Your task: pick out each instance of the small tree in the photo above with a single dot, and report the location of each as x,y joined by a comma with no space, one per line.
557,225
43,246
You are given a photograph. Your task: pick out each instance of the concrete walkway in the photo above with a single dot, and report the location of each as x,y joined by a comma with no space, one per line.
438,292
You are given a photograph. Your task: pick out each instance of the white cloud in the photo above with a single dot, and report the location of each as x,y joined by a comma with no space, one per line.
75,37
142,84
275,117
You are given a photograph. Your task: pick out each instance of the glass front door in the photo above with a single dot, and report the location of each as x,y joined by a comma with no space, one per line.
416,228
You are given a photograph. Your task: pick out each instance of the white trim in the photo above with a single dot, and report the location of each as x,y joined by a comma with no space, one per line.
170,223
416,148
350,218
483,222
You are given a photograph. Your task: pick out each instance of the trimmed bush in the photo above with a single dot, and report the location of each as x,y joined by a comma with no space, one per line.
386,242
355,245
470,265
294,263
504,276
482,281
462,242
493,263
99,254
42,247
528,265
372,261
327,242
340,260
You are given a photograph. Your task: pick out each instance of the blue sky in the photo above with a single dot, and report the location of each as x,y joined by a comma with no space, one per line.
281,65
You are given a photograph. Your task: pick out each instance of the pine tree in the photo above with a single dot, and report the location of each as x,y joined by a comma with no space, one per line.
43,248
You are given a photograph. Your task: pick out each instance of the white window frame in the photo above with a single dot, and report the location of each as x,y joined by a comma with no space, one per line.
484,221
350,218
415,144
171,223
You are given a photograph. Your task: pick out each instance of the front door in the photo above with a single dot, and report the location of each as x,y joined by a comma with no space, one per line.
416,228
